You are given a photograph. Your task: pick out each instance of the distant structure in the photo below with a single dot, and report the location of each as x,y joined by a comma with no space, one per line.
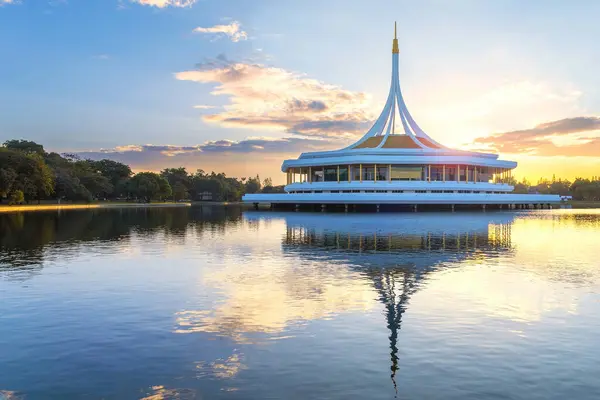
397,163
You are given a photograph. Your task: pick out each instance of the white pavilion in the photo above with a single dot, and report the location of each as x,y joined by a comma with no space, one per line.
396,162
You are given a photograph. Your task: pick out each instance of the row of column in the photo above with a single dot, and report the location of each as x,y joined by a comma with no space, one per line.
500,175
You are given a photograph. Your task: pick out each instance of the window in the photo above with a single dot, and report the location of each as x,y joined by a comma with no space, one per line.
406,173
343,174
334,191
437,173
382,173
368,173
448,191
346,191
420,191
369,191
450,173
397,191
436,191
317,174
381,191
331,174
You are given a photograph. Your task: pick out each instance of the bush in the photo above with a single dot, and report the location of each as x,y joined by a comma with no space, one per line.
16,197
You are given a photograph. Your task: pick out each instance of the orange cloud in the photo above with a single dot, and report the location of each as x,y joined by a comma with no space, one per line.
263,97
579,136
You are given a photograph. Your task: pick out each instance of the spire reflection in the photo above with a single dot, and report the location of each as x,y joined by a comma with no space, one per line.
397,258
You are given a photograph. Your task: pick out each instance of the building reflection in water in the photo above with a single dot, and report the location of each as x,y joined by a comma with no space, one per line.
397,257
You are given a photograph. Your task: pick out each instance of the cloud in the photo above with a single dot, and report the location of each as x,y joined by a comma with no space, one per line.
165,3
204,107
258,155
579,136
263,97
233,31
3,2
101,57
261,144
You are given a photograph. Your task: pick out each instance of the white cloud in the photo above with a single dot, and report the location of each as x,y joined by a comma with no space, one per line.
233,31
271,98
204,107
3,2
165,3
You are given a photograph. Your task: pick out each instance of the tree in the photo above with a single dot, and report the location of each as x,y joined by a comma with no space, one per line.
33,177
25,146
273,189
68,186
17,197
180,191
114,171
253,185
7,179
176,175
149,186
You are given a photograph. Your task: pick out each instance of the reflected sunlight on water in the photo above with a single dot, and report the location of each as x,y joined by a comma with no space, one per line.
232,304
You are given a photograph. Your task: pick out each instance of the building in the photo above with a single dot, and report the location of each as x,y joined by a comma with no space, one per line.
396,162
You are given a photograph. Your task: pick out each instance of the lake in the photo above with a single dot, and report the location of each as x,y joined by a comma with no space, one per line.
222,303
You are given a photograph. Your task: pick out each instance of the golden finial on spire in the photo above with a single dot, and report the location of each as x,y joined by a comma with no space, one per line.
395,49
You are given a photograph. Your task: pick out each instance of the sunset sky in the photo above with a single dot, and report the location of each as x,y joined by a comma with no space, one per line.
239,85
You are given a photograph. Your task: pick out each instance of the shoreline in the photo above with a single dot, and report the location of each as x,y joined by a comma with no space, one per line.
576,204
58,207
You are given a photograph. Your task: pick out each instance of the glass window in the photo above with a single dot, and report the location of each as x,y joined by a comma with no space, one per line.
406,173
356,173
330,174
368,173
343,174
317,174
382,173
437,173
450,173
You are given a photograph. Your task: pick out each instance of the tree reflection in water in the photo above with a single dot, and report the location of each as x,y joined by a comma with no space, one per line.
28,239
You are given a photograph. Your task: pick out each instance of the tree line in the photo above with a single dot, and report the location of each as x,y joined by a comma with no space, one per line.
580,188
29,173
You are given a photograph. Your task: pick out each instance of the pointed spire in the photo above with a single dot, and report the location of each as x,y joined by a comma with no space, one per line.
395,49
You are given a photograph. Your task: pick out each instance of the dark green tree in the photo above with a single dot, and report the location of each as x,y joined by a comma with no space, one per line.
25,146
33,177
180,191
253,185
149,186
117,173
7,179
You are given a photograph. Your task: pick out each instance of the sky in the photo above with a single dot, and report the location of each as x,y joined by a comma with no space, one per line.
237,86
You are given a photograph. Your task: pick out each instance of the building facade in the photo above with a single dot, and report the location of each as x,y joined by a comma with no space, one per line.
396,162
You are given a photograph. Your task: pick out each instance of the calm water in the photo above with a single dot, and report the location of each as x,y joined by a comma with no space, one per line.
219,303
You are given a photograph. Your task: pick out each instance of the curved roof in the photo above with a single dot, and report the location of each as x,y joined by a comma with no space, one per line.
395,128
